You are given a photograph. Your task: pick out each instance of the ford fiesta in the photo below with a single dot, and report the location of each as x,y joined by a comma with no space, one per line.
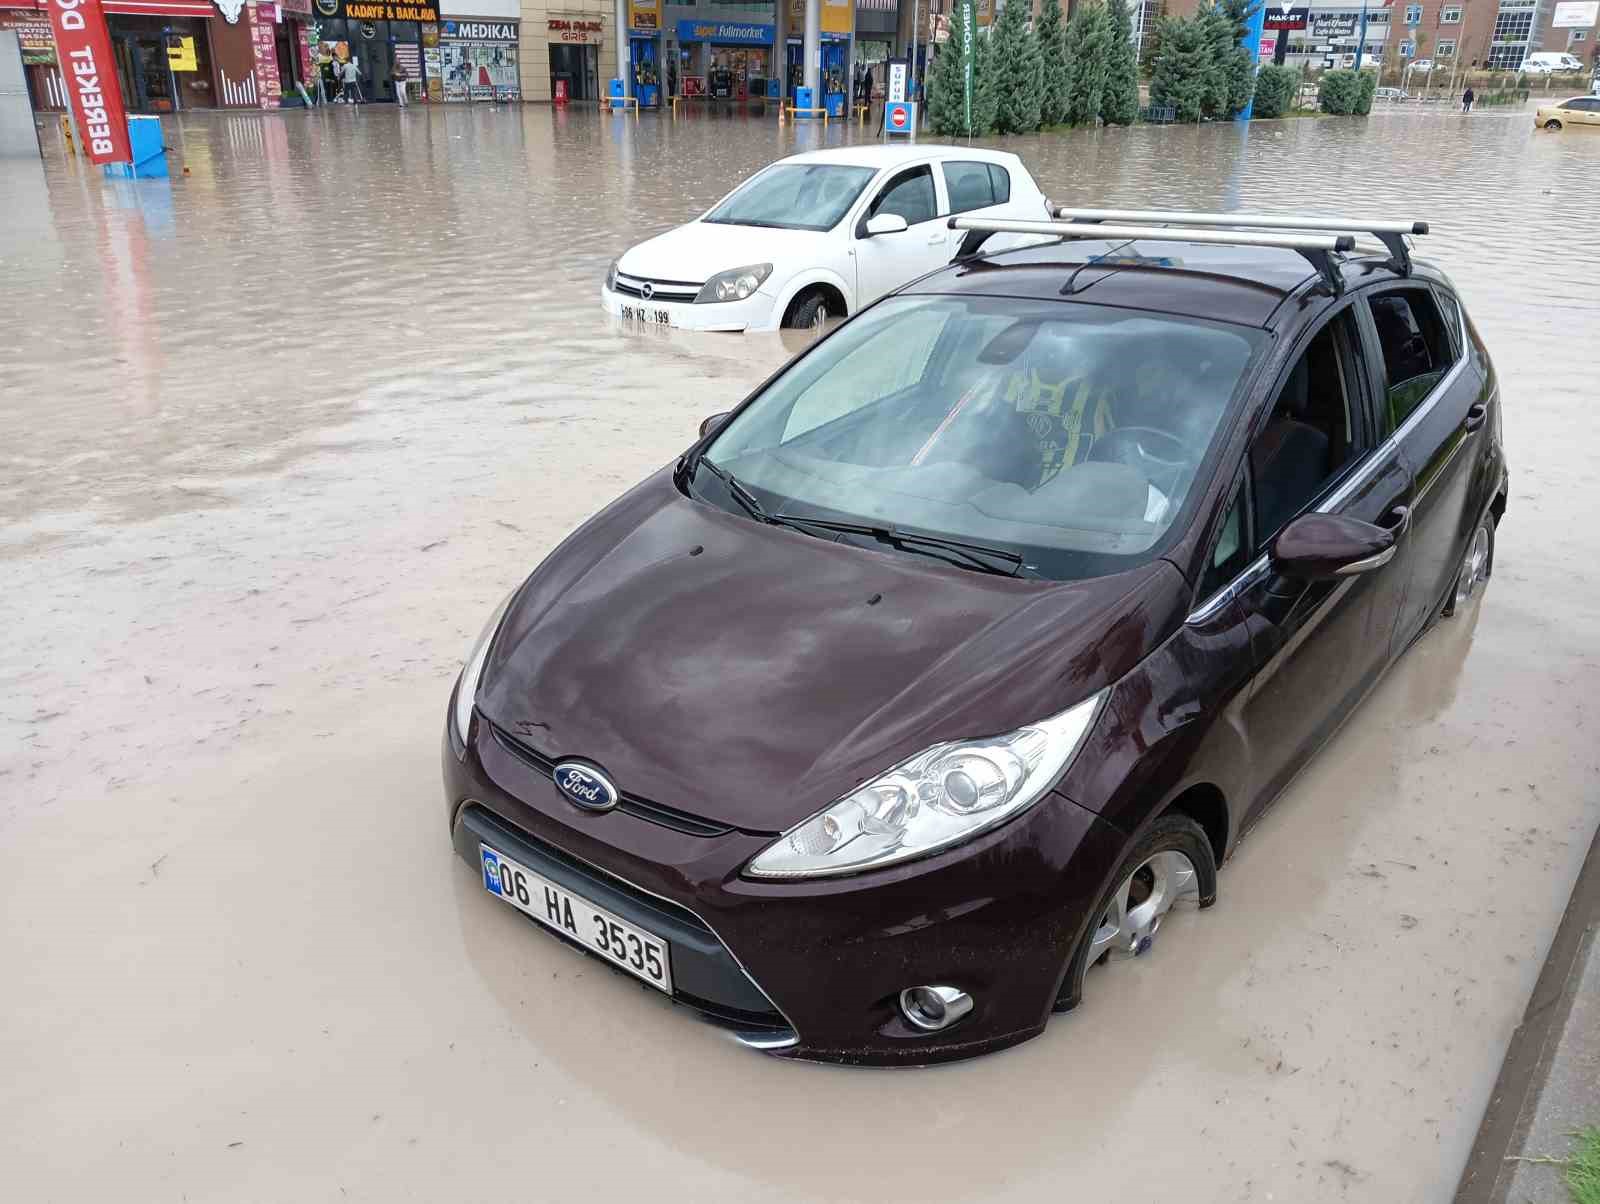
920,689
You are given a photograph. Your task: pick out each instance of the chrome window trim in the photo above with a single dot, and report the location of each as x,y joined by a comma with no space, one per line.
1212,606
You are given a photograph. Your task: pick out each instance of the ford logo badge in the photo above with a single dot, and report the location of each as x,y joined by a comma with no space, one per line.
585,785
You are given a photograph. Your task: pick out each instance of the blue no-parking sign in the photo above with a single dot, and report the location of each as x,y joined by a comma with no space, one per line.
900,116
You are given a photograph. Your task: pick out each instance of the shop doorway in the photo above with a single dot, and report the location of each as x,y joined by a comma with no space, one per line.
142,72
288,53
579,66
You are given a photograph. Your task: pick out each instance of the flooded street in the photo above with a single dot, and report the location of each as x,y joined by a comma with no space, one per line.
279,434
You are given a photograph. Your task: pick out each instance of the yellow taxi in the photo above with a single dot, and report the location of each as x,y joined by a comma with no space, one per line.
1580,110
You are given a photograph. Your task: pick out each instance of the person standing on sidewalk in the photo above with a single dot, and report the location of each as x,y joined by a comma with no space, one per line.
1467,98
400,83
352,82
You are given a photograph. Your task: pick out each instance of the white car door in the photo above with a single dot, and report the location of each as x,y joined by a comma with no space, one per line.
886,261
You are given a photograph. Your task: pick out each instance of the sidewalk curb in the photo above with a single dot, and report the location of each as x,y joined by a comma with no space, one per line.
1533,1052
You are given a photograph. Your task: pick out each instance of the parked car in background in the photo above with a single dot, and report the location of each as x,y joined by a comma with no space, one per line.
1422,65
1550,62
930,679
1391,94
1579,111
815,236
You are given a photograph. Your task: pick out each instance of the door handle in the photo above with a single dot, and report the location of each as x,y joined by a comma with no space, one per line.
1397,521
935,239
1476,414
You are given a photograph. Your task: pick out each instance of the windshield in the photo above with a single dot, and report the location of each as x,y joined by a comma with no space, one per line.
1070,434
794,196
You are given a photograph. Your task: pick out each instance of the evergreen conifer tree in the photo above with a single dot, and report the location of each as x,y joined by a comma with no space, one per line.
1088,53
1181,75
1240,64
1217,33
1016,72
1120,103
983,88
1052,63
947,116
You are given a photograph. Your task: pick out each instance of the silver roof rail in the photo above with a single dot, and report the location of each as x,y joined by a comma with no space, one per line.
1317,248
1389,232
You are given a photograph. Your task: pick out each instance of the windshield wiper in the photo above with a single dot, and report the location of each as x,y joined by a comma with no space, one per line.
975,555
738,491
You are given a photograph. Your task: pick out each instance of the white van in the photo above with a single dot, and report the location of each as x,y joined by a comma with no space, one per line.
1546,62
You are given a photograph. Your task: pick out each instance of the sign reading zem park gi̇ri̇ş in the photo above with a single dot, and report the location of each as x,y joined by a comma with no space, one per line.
380,10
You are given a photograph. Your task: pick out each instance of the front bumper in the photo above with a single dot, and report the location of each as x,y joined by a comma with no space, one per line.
814,969
753,313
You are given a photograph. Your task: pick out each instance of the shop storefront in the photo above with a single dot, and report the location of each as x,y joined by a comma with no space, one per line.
379,36
32,27
575,42
478,59
734,57
163,52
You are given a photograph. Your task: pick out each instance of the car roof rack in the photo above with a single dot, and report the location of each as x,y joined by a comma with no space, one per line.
1318,249
1389,232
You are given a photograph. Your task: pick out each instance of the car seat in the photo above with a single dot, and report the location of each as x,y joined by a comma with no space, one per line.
1290,459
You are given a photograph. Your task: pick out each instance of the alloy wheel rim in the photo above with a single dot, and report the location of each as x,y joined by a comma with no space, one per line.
1475,570
1141,901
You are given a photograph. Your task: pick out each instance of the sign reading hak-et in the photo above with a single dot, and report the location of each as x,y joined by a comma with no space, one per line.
83,48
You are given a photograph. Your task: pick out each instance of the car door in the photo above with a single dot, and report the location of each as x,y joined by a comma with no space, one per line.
1434,405
1318,644
886,261
1588,110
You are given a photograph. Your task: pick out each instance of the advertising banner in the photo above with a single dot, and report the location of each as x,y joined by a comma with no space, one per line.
1334,27
726,33
897,81
1575,14
83,45
644,14
1285,16
180,53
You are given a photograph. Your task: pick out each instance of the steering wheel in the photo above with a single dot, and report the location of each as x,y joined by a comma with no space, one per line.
1162,458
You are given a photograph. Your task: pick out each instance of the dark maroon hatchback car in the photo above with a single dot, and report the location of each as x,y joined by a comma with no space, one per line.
963,650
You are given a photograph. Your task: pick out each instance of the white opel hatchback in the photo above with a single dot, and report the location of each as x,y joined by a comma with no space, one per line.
817,235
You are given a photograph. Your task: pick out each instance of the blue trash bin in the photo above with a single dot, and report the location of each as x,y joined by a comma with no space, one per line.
805,98
616,93
149,155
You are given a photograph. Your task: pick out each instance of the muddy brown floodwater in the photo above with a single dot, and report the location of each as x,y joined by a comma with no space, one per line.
277,436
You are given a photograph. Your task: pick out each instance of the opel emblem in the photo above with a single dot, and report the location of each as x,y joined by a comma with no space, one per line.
585,785
648,291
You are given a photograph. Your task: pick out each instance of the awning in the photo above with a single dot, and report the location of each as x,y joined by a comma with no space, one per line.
160,8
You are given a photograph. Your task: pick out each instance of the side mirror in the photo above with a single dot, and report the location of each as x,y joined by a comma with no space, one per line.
1316,547
882,223
712,423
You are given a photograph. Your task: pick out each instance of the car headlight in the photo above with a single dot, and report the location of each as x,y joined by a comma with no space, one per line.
467,691
611,276
735,285
940,797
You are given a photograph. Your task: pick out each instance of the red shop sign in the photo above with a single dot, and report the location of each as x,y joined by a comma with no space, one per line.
83,50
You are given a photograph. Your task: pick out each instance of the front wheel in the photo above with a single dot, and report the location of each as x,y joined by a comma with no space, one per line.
1171,865
810,313
1552,125
1476,565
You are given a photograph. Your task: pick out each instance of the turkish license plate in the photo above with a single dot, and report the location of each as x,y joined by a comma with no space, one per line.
630,948
646,315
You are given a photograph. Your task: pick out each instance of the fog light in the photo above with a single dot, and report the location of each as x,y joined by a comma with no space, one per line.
933,1008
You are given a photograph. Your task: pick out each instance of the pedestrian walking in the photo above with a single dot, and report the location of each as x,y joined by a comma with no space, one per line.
400,83
1467,98
352,93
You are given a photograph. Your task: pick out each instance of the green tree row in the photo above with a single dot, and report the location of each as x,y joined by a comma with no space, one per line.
1200,67
1077,72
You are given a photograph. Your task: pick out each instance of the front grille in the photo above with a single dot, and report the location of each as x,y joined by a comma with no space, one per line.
631,804
660,290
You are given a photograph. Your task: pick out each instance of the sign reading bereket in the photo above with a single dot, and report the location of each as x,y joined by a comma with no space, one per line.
83,47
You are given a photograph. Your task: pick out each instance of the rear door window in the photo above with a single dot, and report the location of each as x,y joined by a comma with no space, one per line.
1416,346
970,186
1000,182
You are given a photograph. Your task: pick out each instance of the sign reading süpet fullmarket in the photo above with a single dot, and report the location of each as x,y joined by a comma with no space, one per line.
380,10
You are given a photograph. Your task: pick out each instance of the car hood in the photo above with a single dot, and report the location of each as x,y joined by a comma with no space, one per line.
752,674
698,251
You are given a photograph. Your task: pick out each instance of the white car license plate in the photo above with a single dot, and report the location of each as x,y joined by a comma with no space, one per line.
633,949
646,315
